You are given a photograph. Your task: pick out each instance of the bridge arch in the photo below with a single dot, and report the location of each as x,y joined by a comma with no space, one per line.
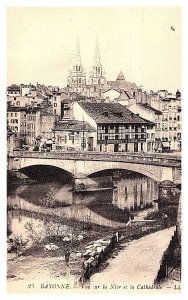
153,172
46,173
65,165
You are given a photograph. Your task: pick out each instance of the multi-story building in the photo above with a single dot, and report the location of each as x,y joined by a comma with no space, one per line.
74,135
13,90
33,125
40,126
153,115
117,128
168,129
16,122
170,121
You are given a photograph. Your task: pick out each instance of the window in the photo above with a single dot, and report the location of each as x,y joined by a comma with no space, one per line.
55,104
116,129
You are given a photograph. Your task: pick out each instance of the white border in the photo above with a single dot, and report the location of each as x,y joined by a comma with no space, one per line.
100,3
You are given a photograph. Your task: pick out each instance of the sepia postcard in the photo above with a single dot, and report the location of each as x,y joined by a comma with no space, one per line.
94,139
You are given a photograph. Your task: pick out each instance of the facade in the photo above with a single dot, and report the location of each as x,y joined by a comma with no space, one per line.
153,115
24,101
56,103
16,123
117,128
171,122
40,126
168,129
74,135
33,126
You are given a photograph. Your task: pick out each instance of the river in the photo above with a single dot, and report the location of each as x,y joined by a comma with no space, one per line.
131,191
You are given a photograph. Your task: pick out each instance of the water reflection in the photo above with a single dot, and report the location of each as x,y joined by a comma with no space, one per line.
133,192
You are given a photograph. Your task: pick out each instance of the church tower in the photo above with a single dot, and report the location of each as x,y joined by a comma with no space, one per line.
97,74
76,78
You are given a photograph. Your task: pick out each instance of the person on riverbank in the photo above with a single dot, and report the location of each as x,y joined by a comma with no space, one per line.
165,220
67,256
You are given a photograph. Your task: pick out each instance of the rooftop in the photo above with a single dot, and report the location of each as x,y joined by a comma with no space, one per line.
169,97
73,125
13,87
112,113
147,106
120,77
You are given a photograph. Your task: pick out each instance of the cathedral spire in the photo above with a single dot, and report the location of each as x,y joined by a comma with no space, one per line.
97,53
97,74
77,53
76,78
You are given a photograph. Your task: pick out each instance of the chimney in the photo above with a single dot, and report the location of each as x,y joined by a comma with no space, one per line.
178,94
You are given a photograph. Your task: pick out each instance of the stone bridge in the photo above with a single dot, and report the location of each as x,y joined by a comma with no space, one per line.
159,167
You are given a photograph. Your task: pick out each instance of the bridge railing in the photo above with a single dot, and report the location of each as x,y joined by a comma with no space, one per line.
142,158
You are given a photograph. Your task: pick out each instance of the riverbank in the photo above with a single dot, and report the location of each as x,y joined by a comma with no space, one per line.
51,266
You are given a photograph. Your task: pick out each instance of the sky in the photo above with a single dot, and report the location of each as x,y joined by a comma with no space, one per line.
137,41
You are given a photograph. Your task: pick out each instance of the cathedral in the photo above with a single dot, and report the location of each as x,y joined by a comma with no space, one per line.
76,79
97,83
